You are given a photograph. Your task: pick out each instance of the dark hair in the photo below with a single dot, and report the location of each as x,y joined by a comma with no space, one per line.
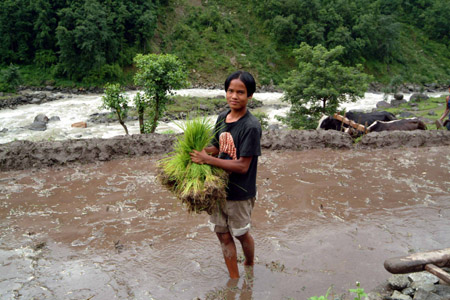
246,78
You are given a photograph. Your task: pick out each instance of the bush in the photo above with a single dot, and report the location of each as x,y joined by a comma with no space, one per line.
10,78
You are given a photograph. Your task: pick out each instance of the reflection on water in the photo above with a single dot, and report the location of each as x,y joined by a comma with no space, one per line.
323,217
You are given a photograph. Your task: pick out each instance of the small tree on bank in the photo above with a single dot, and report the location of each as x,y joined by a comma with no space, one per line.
115,100
159,75
319,85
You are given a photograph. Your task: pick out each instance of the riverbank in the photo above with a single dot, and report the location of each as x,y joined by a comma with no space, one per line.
42,94
25,154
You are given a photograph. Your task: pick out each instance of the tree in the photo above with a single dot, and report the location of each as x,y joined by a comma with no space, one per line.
85,39
320,84
141,102
10,78
159,75
115,100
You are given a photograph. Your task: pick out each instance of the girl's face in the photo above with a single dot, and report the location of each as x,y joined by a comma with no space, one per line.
237,95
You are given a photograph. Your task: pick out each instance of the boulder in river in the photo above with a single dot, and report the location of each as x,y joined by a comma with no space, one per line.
39,123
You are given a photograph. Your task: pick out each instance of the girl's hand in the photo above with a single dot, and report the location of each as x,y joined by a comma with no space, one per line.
199,157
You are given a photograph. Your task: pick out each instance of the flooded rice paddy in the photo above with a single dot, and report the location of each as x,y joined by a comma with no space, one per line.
323,218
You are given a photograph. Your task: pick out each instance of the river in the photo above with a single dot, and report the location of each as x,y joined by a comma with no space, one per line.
77,108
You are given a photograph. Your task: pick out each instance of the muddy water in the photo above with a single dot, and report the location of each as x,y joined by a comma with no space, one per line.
323,218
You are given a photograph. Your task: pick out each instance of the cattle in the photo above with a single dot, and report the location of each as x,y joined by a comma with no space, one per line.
403,124
365,119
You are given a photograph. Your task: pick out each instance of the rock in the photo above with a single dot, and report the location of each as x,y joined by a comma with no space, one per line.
374,296
79,125
432,113
38,126
396,103
41,118
41,96
443,291
424,295
418,97
383,104
273,127
398,282
406,114
408,291
54,118
399,296
410,87
422,285
398,96
423,277
4,130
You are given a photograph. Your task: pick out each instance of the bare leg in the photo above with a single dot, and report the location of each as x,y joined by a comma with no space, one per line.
248,246
229,253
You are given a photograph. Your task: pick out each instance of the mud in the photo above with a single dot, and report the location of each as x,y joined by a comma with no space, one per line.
324,217
25,154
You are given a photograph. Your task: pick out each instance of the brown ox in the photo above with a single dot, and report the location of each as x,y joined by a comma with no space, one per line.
403,124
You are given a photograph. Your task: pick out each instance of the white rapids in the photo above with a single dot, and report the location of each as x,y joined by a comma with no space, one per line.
75,108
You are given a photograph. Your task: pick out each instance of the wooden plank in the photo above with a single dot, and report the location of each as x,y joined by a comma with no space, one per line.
416,262
438,272
351,123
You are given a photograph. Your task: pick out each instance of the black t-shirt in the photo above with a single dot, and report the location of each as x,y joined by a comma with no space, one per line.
240,138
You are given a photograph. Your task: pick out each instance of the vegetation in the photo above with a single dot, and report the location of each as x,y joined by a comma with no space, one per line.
158,75
319,84
200,187
115,100
431,109
10,78
263,119
360,294
89,43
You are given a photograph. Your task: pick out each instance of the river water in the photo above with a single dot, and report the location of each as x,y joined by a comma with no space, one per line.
76,108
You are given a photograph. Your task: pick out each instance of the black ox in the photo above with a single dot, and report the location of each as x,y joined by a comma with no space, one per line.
404,124
365,119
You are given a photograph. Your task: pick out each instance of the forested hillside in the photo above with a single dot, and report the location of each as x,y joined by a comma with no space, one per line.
69,42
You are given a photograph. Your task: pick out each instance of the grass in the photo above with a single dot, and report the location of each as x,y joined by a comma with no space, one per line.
200,187
422,110
360,294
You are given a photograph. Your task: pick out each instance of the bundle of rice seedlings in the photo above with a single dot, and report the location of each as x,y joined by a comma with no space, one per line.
199,187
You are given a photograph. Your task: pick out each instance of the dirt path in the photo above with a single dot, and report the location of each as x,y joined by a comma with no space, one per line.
324,217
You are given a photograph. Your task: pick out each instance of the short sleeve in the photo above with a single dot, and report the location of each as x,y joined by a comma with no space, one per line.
251,142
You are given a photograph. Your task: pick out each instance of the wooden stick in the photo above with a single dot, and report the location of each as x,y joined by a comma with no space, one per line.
438,272
416,262
351,123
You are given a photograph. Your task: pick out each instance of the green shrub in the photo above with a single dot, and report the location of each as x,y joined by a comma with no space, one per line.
10,78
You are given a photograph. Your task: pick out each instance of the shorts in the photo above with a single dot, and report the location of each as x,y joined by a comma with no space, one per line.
234,217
